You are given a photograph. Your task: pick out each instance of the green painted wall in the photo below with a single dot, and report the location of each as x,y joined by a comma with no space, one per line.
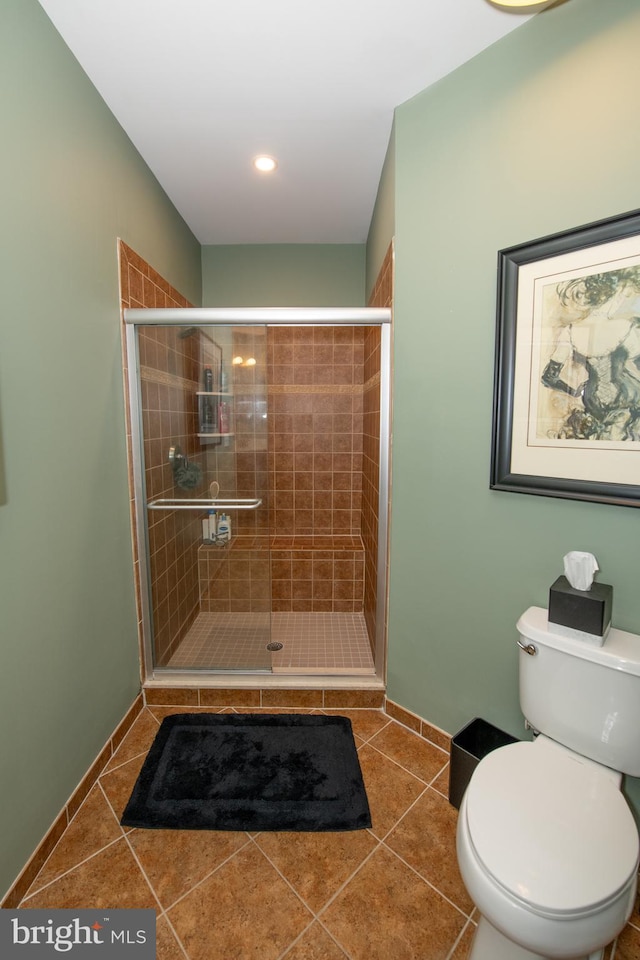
383,226
71,183
537,134
284,275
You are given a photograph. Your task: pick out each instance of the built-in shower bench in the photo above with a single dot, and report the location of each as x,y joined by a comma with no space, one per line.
283,573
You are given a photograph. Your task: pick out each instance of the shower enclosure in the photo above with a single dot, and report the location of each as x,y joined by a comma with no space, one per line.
260,448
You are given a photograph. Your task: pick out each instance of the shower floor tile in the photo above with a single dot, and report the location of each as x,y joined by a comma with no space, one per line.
225,641
320,643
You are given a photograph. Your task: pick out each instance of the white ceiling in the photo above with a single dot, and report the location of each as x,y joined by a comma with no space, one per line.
202,86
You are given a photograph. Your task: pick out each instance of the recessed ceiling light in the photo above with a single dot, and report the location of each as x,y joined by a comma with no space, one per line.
265,164
515,4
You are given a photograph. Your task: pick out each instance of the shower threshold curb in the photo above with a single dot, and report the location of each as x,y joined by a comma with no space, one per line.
264,681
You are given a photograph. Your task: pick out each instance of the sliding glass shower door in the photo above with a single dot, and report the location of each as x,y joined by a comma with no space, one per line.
201,470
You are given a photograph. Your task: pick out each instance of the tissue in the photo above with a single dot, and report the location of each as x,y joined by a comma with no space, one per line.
579,569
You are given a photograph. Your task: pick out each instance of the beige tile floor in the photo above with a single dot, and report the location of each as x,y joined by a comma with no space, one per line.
389,893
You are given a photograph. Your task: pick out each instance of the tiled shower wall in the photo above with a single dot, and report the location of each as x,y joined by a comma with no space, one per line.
314,461
315,429
249,448
315,377
168,365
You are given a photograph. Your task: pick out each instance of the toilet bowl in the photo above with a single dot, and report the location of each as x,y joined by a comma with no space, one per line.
548,850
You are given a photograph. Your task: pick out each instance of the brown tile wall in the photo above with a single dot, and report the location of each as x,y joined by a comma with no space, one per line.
315,424
263,698
250,468
169,379
317,574
306,574
235,578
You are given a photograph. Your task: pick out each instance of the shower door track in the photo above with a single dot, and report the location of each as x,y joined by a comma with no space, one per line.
269,316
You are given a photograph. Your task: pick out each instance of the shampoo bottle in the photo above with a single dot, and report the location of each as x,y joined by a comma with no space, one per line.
207,416
223,417
212,525
224,530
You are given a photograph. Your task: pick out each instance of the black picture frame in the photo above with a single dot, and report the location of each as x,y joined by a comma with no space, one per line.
555,434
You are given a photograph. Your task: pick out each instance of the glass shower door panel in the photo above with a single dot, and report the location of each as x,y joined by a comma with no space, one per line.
205,469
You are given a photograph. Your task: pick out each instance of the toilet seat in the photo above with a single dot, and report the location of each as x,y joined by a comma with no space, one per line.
551,829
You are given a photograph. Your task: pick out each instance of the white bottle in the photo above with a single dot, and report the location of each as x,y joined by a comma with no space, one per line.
212,526
224,528
223,417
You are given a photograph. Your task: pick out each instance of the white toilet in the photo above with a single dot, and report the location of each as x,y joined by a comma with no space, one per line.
547,845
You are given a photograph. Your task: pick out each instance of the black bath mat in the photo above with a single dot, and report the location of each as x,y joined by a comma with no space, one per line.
250,772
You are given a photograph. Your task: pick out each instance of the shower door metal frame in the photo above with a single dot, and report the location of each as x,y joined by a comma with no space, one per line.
258,316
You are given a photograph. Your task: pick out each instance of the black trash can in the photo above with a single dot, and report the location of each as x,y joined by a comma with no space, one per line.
468,747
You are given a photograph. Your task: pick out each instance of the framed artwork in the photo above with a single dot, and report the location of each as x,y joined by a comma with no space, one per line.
566,413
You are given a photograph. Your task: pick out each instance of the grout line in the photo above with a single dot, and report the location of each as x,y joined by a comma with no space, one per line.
65,873
210,874
150,713
458,940
127,837
418,735
119,766
113,810
634,922
424,879
335,940
297,939
401,818
433,782
349,878
32,892
281,874
427,783
173,930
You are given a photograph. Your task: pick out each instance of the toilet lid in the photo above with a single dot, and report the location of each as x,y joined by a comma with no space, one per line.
556,832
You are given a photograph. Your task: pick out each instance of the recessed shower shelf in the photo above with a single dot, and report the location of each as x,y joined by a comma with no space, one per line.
213,405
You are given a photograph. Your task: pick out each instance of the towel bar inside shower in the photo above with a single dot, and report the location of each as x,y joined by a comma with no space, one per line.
200,504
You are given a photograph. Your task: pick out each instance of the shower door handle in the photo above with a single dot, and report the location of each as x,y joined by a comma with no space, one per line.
200,504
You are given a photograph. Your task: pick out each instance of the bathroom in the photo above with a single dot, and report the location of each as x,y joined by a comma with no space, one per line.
464,561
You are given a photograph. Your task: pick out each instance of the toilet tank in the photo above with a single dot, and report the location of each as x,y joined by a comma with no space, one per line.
580,695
